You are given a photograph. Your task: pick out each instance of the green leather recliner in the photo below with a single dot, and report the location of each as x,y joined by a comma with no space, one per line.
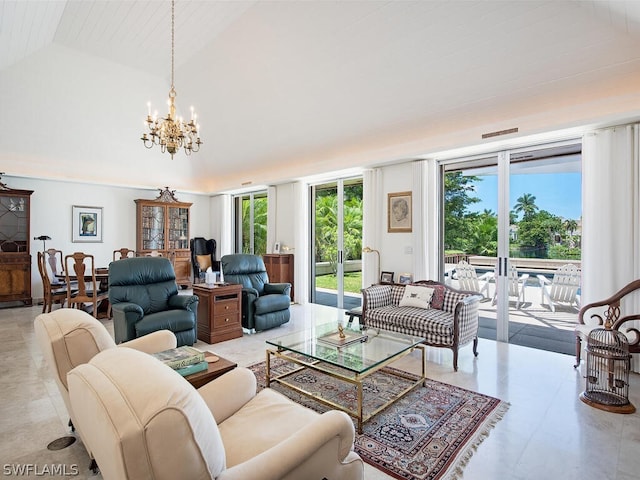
264,305
144,298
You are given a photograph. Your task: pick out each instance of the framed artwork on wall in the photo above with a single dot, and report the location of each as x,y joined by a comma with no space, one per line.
86,224
399,212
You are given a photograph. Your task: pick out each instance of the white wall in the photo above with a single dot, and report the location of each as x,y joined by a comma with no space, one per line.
285,214
52,201
396,254
51,205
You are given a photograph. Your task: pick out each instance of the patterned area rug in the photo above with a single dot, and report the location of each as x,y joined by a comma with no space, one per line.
429,434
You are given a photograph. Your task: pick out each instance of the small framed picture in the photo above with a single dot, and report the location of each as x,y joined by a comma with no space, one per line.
276,247
386,277
405,278
86,224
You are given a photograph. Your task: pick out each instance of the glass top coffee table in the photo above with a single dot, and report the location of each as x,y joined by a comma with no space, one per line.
350,359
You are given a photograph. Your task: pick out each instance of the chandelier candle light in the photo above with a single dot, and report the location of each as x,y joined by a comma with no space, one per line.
171,133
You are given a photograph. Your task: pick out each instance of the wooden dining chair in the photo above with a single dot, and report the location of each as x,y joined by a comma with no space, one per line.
123,253
55,261
81,267
52,292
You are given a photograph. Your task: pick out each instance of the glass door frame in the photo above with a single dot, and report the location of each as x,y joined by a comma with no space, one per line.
339,184
504,159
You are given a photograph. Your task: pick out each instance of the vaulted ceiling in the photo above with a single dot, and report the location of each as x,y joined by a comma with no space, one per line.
290,88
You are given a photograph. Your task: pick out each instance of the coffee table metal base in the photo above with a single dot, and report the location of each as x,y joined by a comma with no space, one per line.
355,379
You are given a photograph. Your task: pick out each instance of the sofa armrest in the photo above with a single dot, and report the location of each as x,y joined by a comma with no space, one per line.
185,302
277,288
330,436
465,318
228,393
125,316
153,342
376,296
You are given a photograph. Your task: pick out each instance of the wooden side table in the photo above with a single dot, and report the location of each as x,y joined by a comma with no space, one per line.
215,369
219,312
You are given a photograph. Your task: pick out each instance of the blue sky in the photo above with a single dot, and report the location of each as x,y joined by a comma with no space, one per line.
558,193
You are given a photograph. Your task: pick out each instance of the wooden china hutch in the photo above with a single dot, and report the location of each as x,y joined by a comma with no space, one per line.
15,256
162,228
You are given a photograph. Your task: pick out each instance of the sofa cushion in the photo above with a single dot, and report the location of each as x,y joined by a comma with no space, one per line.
174,320
204,262
397,292
437,300
266,420
412,319
416,296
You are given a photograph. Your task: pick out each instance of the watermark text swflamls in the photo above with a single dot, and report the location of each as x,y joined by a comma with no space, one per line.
34,469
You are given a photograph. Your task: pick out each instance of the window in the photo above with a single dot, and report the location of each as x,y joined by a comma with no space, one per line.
250,214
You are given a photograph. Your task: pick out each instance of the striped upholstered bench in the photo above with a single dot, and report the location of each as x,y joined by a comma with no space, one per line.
450,319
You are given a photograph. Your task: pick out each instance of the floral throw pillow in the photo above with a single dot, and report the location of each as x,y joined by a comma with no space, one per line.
437,300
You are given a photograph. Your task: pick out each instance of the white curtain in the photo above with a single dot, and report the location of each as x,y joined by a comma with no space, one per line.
222,212
425,219
372,224
611,216
272,202
301,242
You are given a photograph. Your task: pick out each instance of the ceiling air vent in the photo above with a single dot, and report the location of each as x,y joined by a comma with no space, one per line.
499,132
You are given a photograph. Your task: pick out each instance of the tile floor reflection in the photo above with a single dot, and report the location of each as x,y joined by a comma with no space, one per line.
547,433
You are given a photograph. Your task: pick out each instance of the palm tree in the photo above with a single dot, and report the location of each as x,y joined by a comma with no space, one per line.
571,226
527,205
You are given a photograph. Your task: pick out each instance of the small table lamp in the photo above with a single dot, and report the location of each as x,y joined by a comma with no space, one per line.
44,239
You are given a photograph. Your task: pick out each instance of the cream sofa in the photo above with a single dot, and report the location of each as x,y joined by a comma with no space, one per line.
451,321
142,420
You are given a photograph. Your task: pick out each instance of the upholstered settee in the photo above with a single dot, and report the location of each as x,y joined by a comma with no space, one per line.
144,298
143,420
450,319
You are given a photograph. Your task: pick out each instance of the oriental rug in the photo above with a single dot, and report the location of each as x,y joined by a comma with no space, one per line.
429,434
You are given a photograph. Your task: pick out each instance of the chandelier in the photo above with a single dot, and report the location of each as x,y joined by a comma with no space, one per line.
172,133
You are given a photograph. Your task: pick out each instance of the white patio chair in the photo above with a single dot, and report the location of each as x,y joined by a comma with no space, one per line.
468,279
517,285
563,288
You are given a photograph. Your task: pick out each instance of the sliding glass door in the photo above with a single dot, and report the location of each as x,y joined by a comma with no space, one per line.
515,216
336,243
251,223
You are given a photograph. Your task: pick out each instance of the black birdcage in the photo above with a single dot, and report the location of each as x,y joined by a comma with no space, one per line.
608,365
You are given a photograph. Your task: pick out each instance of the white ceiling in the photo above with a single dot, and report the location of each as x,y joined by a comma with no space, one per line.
291,88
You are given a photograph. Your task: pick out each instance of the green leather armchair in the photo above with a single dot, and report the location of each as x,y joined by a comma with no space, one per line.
144,298
264,305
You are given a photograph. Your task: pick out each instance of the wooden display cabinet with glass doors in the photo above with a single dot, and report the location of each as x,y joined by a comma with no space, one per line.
162,228
15,257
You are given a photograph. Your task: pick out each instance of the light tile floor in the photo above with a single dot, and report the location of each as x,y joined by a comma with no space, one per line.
547,433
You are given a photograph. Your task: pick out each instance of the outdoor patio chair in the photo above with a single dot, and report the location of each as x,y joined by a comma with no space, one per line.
517,285
563,288
469,281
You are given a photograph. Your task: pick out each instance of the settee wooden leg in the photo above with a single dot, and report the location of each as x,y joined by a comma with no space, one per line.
578,351
475,347
455,359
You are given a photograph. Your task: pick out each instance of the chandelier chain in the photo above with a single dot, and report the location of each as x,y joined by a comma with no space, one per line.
172,132
173,28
